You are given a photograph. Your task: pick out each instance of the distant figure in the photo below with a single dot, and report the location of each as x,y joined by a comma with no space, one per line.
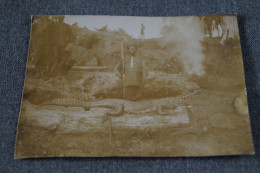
132,71
142,31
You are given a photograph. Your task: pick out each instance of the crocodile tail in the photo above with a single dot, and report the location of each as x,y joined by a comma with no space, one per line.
118,111
114,109
115,113
67,102
71,102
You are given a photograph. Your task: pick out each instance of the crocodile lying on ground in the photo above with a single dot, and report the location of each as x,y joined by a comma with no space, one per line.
118,107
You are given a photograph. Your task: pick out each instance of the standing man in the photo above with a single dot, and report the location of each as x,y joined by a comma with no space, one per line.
142,31
132,71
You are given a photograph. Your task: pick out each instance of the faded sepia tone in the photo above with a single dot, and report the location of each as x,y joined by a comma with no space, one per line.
134,86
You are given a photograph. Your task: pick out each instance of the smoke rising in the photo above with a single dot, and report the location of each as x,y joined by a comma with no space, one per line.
186,34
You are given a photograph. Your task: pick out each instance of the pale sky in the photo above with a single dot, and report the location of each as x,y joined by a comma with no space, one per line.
131,24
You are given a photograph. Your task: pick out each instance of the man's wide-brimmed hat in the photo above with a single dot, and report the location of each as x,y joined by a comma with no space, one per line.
132,44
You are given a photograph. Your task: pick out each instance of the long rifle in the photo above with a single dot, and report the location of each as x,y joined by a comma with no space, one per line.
123,66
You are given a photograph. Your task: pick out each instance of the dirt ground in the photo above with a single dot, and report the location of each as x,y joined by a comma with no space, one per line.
228,135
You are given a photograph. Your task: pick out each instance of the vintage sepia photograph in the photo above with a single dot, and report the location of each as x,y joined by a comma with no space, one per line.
107,86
